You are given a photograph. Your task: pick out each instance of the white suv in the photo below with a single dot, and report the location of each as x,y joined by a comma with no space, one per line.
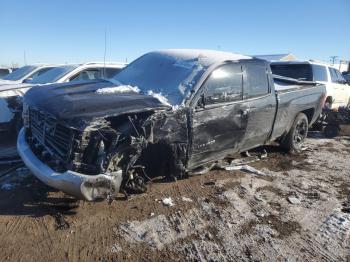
338,92
11,94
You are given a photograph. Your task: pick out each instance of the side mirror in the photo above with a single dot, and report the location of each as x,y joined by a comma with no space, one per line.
28,80
201,102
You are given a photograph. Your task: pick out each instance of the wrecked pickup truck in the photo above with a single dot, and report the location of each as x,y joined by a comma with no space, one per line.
166,114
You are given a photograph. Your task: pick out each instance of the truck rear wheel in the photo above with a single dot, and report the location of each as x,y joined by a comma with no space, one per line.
295,138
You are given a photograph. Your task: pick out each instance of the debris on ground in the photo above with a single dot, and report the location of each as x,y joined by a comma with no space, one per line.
209,183
116,248
294,200
168,201
245,168
186,199
300,211
12,176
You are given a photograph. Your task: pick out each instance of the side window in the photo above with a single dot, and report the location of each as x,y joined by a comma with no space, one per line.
333,73
336,76
320,73
255,81
110,72
339,76
87,74
4,72
40,72
224,85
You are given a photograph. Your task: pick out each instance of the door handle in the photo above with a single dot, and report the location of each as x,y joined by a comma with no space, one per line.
244,113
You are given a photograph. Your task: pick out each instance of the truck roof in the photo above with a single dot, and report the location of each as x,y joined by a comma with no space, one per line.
204,57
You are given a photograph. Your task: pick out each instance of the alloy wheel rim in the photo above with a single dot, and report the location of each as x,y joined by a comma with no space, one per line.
300,132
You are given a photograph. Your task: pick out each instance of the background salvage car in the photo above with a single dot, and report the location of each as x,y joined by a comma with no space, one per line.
25,74
338,92
346,76
11,94
168,112
5,71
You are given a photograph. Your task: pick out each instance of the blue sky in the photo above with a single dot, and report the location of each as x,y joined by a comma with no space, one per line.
73,31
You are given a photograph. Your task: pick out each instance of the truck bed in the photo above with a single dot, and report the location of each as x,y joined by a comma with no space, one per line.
293,97
286,84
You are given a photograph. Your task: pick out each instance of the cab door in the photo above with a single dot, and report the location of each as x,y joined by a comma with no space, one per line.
220,117
257,92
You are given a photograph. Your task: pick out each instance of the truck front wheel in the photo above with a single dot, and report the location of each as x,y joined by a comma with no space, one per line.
295,138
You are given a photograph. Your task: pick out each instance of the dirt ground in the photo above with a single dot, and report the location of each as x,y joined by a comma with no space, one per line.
298,211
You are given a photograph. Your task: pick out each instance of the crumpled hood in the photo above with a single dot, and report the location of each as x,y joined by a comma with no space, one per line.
80,100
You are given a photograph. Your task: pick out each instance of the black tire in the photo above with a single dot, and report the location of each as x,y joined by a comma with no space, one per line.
295,138
331,131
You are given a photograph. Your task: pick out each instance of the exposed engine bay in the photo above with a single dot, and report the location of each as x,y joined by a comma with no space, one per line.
139,147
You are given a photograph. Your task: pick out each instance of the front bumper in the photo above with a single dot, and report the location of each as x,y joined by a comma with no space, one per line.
88,187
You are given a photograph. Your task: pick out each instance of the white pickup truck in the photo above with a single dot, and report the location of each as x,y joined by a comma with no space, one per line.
11,94
338,92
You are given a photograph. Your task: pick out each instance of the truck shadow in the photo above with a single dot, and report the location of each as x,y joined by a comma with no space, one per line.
35,199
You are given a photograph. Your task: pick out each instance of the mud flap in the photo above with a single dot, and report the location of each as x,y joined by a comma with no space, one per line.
102,187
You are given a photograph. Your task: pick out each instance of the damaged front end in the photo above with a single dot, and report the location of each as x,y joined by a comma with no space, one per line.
100,157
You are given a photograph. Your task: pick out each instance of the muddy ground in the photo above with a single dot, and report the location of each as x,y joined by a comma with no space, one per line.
298,211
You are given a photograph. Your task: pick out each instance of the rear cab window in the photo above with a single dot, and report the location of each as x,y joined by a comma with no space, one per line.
255,80
297,71
110,72
87,74
320,73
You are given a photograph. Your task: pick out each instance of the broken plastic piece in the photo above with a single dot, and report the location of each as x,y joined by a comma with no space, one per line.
294,200
246,168
186,199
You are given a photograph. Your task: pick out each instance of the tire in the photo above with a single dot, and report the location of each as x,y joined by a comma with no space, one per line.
295,138
331,131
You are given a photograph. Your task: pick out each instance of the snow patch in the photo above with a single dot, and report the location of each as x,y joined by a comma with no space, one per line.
118,89
185,64
160,97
